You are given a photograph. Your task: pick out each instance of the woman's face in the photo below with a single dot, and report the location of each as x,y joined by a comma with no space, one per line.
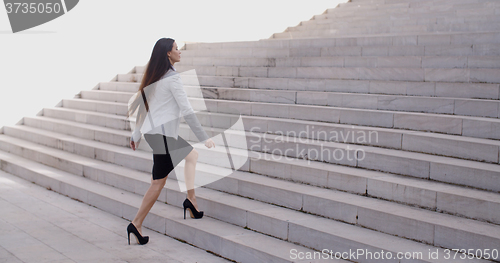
174,55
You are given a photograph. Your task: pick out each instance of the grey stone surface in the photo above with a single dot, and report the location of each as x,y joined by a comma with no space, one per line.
43,226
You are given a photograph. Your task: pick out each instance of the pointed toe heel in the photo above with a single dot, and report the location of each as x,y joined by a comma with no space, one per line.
192,210
140,239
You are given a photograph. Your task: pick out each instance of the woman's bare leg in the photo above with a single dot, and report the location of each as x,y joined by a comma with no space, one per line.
189,173
157,185
148,201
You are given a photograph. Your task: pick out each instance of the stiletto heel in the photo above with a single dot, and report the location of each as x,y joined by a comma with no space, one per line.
194,213
140,239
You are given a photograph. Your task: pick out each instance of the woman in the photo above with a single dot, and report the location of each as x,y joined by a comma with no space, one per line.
164,103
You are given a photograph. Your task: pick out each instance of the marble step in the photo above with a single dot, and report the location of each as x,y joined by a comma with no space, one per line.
464,75
423,142
443,10
432,88
401,14
357,21
422,89
439,15
412,2
365,210
476,127
415,2
274,55
220,238
347,31
120,86
451,106
454,75
429,5
389,26
414,164
401,39
376,7
337,60
113,121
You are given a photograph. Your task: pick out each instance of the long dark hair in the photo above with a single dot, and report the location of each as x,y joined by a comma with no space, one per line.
156,67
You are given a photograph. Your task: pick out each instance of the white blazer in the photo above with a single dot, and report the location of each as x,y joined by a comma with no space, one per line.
167,102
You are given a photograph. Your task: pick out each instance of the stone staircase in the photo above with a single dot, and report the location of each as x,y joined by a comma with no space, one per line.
400,17
420,78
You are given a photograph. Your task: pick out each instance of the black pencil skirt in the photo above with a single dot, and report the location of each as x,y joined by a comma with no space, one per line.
167,153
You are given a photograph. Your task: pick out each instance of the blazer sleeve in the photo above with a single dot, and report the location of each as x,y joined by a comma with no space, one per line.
136,134
186,110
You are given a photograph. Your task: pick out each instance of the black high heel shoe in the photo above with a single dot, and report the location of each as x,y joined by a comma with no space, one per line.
194,213
140,239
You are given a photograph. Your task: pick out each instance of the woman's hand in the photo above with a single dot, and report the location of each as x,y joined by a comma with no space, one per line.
209,143
133,145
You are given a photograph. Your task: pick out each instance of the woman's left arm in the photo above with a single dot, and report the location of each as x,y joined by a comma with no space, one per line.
186,110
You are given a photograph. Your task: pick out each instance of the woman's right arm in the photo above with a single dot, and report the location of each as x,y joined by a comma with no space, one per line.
141,115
